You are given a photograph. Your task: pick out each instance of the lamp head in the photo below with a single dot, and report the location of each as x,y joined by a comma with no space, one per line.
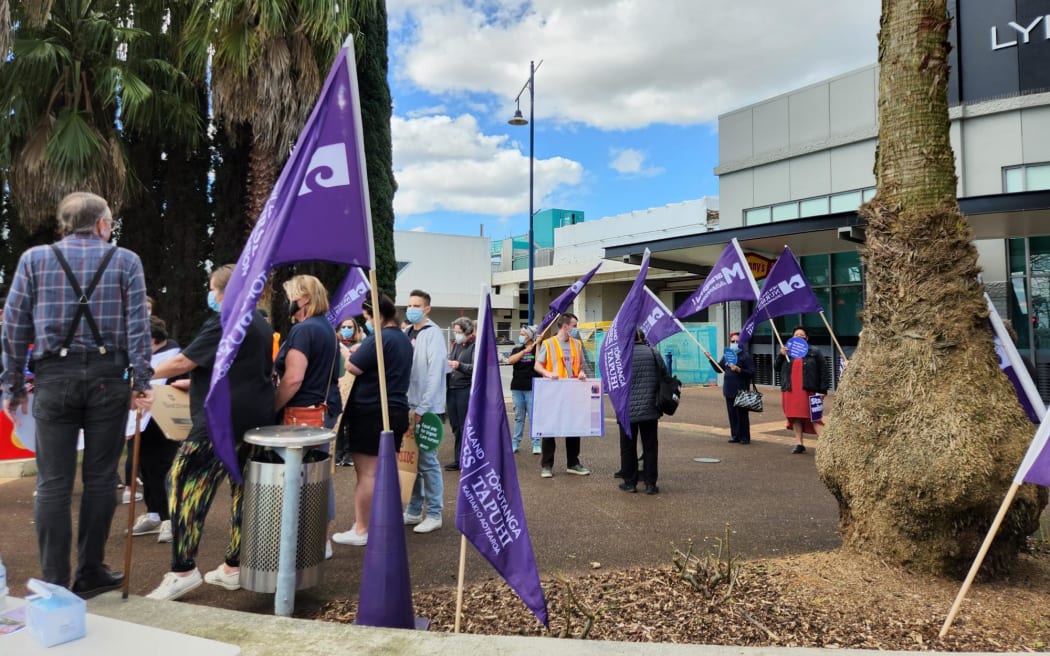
518,119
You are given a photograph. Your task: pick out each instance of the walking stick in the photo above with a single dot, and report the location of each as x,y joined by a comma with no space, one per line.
131,503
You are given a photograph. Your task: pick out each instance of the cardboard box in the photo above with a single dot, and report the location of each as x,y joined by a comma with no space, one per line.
171,411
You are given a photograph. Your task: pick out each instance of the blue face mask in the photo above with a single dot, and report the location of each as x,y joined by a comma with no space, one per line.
521,339
414,315
213,303
346,333
575,332
368,327
734,347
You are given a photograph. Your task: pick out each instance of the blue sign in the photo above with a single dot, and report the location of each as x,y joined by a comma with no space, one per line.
729,356
797,348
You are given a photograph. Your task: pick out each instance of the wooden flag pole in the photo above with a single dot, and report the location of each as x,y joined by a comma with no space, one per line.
833,338
377,325
133,488
459,582
980,559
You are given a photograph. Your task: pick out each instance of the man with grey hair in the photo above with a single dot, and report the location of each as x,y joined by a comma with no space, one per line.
82,303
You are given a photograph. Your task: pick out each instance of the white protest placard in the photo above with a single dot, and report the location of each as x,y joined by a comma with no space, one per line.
567,407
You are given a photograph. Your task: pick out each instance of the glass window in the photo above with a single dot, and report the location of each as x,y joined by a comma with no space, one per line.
785,211
813,207
1013,179
1017,255
847,303
1039,251
756,215
847,202
869,193
1018,301
845,268
816,269
1037,177
811,320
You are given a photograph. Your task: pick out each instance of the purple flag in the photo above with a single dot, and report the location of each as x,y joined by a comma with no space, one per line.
786,291
318,210
1035,468
617,352
1013,366
730,280
657,321
562,303
348,300
489,512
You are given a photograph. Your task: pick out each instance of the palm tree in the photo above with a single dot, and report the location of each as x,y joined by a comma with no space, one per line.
926,433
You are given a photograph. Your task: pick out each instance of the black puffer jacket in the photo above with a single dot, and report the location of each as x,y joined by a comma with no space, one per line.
646,370
814,372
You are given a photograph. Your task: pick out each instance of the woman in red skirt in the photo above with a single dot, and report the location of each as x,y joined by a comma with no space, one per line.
801,377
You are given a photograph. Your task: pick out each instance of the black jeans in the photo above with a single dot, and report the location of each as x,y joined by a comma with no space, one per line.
647,432
739,422
548,447
456,400
74,393
156,453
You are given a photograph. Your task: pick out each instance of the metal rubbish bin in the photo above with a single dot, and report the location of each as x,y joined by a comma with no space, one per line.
264,482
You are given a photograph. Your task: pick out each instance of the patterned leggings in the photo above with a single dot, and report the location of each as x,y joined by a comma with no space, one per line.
192,482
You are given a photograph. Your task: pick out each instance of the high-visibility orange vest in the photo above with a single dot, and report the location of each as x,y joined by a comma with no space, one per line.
556,357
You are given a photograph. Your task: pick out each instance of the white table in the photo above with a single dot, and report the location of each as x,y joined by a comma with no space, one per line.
106,637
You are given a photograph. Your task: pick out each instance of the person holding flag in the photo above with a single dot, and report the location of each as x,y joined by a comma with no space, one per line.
646,372
561,356
738,367
803,373
523,361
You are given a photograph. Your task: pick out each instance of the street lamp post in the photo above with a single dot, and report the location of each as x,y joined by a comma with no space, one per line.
518,119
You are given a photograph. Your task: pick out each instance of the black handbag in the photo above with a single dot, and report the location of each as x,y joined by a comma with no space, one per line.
749,399
669,394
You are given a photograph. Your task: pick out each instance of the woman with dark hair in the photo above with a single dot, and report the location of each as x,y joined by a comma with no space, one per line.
362,419
461,367
646,373
801,378
737,377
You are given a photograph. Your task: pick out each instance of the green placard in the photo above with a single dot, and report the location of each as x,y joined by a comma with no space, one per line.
429,432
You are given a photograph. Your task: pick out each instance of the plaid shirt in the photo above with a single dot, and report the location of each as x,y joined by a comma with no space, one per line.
41,305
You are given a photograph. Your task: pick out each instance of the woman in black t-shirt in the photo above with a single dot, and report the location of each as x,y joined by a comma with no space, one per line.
522,358
307,361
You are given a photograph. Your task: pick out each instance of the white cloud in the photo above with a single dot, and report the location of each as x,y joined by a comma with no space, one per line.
448,164
629,63
631,162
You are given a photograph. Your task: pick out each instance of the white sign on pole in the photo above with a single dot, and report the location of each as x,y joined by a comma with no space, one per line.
567,407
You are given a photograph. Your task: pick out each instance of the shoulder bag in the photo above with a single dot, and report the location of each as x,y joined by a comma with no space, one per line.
669,393
749,399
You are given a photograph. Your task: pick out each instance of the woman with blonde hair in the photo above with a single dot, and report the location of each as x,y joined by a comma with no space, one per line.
307,362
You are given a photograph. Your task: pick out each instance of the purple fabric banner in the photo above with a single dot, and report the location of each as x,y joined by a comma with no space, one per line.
657,321
318,210
786,291
489,512
730,280
617,352
349,298
1011,364
562,303
1035,468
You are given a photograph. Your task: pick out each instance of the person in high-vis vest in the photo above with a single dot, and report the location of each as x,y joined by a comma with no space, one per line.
561,356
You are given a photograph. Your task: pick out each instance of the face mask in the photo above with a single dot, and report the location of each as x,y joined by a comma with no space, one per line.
414,315
575,332
521,339
368,327
213,303
293,309
346,333
734,347
459,337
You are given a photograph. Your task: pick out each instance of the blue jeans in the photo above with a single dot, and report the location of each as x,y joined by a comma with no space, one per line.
429,487
522,411
73,393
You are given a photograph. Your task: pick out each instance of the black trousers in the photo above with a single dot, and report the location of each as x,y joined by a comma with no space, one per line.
456,400
739,422
647,432
156,453
548,447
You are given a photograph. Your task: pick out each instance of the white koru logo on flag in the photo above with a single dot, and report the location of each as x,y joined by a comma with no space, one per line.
328,168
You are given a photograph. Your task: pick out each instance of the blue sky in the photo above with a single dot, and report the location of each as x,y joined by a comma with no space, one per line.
627,98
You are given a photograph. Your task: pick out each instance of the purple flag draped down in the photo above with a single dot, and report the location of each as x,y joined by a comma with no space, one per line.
562,303
730,280
617,352
349,298
1035,468
489,512
318,210
1013,366
786,291
657,322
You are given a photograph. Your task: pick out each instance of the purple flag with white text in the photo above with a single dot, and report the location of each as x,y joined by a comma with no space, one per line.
785,291
730,280
489,512
617,353
1013,366
318,210
657,322
562,303
348,299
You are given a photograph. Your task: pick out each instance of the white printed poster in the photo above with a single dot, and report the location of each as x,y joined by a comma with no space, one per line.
567,407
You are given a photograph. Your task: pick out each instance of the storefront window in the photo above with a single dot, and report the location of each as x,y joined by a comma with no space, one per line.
1039,249
847,304
1018,300
845,268
815,267
1017,256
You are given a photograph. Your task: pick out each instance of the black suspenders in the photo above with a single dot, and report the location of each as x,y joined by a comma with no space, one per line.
83,309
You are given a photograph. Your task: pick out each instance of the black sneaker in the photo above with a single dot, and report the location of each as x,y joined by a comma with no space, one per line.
651,489
798,449
454,466
628,487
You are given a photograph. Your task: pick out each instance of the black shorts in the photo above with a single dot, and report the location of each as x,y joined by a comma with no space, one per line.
363,424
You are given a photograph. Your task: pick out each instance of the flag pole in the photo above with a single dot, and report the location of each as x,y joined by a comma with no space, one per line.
980,559
459,582
377,317
832,333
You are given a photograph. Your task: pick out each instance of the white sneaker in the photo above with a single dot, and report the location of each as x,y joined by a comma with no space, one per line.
351,538
536,450
174,586
165,531
428,525
126,497
412,520
220,577
144,525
